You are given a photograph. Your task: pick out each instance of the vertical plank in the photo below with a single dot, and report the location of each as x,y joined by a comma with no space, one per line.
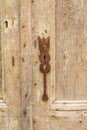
42,25
11,42
26,64
1,56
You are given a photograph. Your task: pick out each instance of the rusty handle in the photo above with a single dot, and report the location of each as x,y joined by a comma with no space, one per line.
44,45
45,96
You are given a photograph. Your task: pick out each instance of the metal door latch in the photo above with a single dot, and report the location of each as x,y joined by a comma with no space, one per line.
44,57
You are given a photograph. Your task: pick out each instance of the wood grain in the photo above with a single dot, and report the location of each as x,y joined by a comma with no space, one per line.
71,50
26,63
11,42
65,22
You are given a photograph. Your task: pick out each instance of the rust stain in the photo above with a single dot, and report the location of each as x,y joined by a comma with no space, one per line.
23,26
6,24
34,121
32,1
45,31
25,113
35,84
24,45
13,60
35,44
80,121
23,59
13,21
26,95
32,29
52,86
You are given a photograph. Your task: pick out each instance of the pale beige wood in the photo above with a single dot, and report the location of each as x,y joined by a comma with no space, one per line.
42,12
70,16
69,105
1,86
11,42
2,12
26,64
17,68
69,121
3,105
71,50
22,107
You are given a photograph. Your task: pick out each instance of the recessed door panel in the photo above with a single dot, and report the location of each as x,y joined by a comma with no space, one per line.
71,50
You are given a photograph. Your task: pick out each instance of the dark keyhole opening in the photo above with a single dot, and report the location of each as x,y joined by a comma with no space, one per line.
44,57
6,24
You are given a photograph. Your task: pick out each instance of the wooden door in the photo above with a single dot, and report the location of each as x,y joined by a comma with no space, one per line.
15,71
65,22
23,25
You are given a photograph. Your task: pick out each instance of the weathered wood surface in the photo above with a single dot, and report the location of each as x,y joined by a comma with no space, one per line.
42,26
26,63
10,40
16,44
71,46
0,61
12,62
65,22
68,45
